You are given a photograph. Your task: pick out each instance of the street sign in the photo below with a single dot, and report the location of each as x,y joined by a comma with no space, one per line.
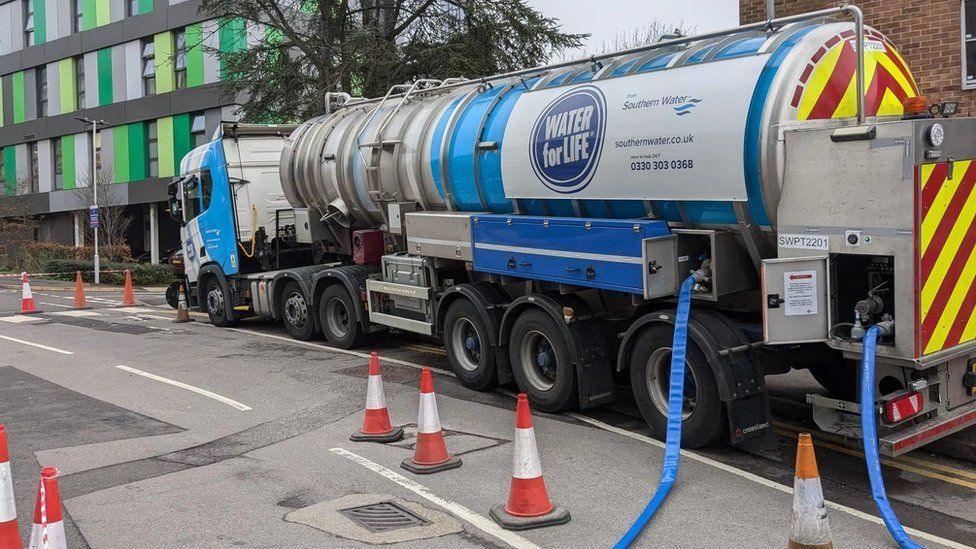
93,219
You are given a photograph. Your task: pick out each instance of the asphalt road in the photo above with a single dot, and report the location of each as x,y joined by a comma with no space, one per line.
187,435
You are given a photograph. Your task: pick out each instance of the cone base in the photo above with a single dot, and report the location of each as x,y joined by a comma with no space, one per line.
182,320
453,463
34,312
393,436
82,308
558,515
798,545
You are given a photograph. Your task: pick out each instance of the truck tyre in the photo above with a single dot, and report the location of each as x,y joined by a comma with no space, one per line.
337,316
540,362
466,342
296,313
650,366
173,294
214,300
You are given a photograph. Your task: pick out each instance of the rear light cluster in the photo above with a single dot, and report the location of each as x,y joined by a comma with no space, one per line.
903,407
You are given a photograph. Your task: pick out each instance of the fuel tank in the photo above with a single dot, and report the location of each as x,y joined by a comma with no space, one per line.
692,134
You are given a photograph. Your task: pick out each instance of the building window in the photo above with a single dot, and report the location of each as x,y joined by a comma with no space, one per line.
98,152
180,58
40,74
29,22
79,15
148,67
58,166
80,81
152,149
133,7
969,44
198,128
35,179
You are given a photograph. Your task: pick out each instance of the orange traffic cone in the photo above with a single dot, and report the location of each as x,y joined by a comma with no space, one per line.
9,534
80,301
810,528
48,529
430,455
376,421
27,305
528,501
128,297
182,313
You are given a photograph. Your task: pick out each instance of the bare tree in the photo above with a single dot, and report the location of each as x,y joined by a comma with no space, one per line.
18,225
627,39
114,222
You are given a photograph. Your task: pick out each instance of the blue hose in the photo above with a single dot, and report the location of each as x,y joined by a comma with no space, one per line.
870,436
675,401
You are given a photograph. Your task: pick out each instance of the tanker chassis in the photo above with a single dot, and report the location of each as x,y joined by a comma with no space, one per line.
541,222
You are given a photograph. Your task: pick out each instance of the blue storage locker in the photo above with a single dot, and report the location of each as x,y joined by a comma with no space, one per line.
595,253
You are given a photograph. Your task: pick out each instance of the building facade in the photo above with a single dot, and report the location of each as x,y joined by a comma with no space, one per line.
936,37
148,68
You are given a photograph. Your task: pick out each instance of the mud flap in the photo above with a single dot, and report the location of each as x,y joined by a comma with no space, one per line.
594,371
748,417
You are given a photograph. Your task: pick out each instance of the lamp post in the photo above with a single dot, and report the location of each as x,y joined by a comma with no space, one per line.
94,183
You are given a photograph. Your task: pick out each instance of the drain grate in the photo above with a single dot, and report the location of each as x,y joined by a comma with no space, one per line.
382,517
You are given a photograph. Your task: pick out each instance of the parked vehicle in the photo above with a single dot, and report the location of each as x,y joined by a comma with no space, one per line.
541,221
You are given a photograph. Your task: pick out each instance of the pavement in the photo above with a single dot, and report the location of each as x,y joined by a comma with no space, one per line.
188,435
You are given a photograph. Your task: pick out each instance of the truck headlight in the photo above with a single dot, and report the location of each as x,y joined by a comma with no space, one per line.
936,135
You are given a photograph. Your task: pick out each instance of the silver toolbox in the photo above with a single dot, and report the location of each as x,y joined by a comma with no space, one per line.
440,234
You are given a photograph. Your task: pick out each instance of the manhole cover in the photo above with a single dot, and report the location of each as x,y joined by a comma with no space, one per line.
382,517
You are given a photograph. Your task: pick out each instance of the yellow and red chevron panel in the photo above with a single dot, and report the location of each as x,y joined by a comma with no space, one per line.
946,255
827,86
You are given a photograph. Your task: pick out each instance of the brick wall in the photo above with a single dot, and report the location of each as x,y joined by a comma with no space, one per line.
926,32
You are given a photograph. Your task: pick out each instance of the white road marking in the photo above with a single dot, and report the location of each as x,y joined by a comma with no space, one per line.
456,509
77,313
197,390
20,319
137,310
38,345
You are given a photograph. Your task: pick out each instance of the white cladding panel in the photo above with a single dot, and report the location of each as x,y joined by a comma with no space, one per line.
671,135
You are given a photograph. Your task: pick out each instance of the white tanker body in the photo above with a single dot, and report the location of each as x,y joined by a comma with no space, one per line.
541,222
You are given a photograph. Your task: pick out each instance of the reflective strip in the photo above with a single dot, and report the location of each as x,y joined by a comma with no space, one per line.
428,421
26,292
560,253
525,462
8,511
375,399
55,537
810,524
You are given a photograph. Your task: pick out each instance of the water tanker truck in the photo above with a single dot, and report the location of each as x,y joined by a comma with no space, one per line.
541,222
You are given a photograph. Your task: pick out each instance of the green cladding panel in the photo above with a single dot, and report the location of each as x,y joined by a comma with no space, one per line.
232,38
194,55
10,171
120,139
68,174
182,139
105,76
66,81
40,22
88,14
145,6
164,146
138,160
165,62
20,106
103,15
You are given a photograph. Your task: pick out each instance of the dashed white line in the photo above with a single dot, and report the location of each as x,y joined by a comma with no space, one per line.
181,385
454,508
55,305
38,345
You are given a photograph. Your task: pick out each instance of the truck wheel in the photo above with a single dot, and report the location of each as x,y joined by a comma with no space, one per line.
541,363
466,341
703,421
173,294
295,312
337,316
215,300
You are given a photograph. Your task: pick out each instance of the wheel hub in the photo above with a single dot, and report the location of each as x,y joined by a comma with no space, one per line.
337,317
467,344
296,312
659,382
538,355
215,301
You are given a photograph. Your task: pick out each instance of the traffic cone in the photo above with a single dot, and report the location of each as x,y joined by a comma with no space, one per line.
182,313
430,455
810,528
48,530
27,305
376,421
9,534
528,501
80,301
128,297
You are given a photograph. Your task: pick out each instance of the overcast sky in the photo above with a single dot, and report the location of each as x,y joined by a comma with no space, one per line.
605,18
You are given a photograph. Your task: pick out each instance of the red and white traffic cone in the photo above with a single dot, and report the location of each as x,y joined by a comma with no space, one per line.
528,501
376,420
810,528
9,534
48,530
430,455
27,305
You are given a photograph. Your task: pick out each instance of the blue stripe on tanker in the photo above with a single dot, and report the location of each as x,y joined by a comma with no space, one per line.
466,136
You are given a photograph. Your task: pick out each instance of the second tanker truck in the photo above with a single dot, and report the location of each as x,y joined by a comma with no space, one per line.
541,221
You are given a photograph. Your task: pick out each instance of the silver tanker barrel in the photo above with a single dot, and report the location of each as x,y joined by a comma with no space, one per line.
686,132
